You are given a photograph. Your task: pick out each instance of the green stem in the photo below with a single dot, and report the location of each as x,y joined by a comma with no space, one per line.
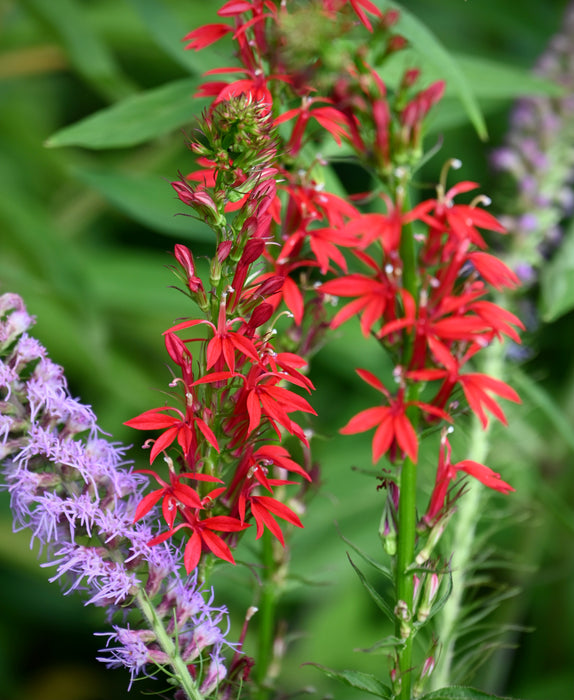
404,579
266,614
186,682
464,529
407,516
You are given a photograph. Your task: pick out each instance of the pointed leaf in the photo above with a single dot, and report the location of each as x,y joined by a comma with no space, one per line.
378,599
135,120
461,693
357,679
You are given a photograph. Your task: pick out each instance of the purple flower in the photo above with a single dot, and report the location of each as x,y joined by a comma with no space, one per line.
539,155
77,494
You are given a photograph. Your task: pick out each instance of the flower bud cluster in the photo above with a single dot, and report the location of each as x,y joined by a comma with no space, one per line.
77,494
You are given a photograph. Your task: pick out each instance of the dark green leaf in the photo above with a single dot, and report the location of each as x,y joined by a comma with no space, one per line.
148,199
167,30
136,119
433,52
87,53
378,599
460,693
356,679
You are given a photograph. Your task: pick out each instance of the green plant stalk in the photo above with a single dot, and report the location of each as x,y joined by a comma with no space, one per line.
464,528
408,484
181,672
266,612
404,579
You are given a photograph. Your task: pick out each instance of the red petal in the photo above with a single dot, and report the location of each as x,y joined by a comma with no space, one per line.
192,552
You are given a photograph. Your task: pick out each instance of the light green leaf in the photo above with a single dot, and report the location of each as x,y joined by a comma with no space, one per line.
366,557
539,397
150,200
491,79
356,679
136,119
377,598
460,693
433,52
87,53
557,281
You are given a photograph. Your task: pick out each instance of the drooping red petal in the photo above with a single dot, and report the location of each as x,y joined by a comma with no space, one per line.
192,552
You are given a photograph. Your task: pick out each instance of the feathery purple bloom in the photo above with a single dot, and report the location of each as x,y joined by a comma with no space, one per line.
77,494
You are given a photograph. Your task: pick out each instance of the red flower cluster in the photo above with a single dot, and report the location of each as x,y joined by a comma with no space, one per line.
277,230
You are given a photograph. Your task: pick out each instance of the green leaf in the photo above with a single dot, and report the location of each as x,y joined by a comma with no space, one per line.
491,79
433,52
87,53
539,397
356,679
136,119
375,564
378,599
557,281
150,200
461,693
167,31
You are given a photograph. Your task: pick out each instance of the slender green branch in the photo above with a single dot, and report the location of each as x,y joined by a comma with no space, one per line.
167,645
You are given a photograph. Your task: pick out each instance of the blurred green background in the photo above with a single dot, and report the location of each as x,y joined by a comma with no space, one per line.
87,220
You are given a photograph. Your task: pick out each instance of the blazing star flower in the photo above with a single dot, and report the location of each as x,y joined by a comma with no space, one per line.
78,496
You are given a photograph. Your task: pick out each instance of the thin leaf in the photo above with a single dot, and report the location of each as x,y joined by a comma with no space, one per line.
378,599
492,79
426,43
375,564
557,281
356,679
87,53
135,120
383,644
538,396
461,693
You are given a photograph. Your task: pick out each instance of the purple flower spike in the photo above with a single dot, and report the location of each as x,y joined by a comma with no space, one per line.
76,493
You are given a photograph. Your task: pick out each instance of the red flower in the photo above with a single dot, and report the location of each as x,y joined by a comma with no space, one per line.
224,342
393,425
447,472
178,427
206,35
175,495
203,535
375,294
477,387
331,119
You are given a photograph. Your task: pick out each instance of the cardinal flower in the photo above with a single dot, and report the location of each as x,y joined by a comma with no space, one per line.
393,425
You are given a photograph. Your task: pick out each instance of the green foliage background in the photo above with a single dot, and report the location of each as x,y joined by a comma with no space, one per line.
87,220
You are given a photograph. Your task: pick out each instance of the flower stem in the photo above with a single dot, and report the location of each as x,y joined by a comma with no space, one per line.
186,682
404,579
464,529
407,500
267,605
